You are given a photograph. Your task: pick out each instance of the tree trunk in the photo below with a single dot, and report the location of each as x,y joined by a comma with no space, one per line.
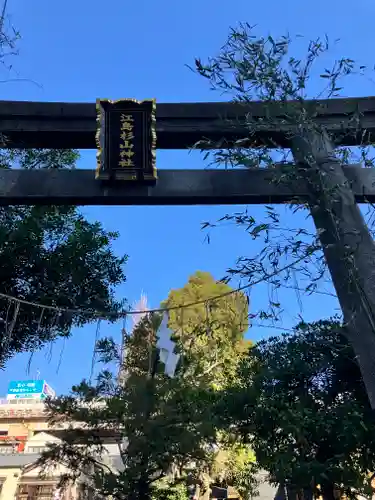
307,494
205,495
328,491
347,244
142,491
293,493
280,493
197,492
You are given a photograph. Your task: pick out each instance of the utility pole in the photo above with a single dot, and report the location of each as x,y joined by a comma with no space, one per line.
141,306
121,376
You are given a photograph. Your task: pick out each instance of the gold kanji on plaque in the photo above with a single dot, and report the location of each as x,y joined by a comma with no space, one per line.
126,140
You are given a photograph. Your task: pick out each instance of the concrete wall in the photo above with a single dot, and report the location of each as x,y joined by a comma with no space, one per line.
10,477
266,490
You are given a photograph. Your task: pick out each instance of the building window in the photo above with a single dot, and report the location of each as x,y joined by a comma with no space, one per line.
36,449
87,493
6,449
35,492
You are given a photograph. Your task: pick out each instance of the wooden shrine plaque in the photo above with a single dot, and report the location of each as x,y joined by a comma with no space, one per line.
126,140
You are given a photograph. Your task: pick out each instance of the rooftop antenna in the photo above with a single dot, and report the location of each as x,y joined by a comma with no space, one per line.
37,375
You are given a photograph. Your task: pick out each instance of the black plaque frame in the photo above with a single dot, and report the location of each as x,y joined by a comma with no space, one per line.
111,117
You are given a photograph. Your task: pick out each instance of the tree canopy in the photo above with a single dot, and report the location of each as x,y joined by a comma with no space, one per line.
163,425
156,420
210,334
301,404
52,256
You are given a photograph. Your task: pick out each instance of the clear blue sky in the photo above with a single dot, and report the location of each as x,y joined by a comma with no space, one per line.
83,49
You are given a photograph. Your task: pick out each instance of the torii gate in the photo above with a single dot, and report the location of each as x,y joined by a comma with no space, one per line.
179,126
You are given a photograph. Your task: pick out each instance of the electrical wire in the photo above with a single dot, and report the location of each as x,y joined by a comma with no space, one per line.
120,314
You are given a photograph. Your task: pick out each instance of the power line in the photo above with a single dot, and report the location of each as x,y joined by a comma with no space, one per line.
115,314
272,327
292,287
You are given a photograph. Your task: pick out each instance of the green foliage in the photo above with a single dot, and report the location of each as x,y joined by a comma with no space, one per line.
233,464
306,427
157,420
262,68
302,406
53,256
281,70
161,423
209,334
165,490
38,158
9,37
210,337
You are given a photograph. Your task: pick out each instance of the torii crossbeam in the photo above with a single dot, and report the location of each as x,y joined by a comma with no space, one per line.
178,126
174,187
